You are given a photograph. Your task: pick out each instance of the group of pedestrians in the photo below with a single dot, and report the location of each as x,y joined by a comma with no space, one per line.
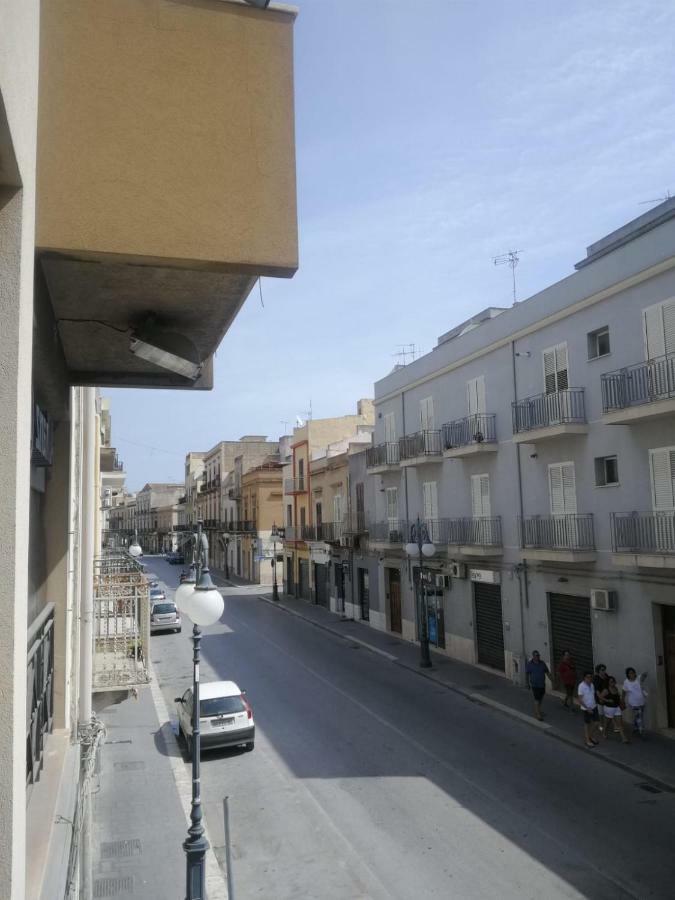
605,705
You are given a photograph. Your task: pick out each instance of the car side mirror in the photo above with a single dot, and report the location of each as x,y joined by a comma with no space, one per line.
177,699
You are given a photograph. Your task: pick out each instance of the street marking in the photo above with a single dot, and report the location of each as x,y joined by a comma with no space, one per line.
216,886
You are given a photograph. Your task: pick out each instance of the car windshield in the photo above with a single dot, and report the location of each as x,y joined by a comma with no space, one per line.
163,608
220,706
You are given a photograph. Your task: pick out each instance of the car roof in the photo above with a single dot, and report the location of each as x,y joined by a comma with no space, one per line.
211,689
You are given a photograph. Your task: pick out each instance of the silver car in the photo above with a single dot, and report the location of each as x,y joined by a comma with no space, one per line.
225,716
164,616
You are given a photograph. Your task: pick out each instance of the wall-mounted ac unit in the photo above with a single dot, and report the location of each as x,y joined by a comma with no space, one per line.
458,570
604,600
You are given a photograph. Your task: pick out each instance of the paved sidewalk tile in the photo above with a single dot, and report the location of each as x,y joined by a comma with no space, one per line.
651,757
139,824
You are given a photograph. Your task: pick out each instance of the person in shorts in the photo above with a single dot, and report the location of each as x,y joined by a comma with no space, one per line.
536,671
635,698
600,682
589,706
612,704
568,678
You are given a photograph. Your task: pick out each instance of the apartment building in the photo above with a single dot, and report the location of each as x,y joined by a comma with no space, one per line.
76,281
301,505
194,470
262,509
152,503
537,446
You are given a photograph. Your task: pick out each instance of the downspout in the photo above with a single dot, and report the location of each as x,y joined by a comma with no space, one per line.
87,537
523,589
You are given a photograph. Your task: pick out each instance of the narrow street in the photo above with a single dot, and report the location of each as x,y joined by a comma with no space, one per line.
369,781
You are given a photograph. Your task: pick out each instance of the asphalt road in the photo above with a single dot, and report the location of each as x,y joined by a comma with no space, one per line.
368,781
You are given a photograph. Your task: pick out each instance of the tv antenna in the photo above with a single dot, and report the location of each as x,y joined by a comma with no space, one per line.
511,258
308,413
285,423
668,196
407,352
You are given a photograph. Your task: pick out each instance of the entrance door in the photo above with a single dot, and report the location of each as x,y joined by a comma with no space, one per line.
571,630
394,591
339,582
364,594
489,625
321,584
668,618
303,578
290,581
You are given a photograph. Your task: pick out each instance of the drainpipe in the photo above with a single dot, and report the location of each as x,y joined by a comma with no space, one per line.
523,589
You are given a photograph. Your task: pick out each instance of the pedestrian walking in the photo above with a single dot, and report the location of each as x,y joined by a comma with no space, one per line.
612,704
635,698
536,671
589,705
568,678
600,682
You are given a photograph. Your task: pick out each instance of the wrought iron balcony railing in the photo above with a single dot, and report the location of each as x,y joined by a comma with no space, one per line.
355,523
293,533
643,382
476,429
567,532
295,485
382,455
637,532
558,408
329,532
40,686
391,531
476,531
423,443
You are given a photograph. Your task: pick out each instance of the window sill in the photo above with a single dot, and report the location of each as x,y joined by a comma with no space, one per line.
595,358
614,484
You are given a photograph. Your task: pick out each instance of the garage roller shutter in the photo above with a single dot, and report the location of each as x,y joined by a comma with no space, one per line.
571,630
489,625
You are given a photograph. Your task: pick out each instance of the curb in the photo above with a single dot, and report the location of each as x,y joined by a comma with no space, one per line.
472,697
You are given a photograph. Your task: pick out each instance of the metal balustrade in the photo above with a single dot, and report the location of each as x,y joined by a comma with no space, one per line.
391,531
476,429
295,485
544,410
566,532
382,455
423,443
483,531
641,383
40,690
637,532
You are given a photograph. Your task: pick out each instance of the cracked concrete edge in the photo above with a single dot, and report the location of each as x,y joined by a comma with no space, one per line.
545,727
216,884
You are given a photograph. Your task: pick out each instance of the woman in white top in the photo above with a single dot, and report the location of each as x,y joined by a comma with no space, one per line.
635,698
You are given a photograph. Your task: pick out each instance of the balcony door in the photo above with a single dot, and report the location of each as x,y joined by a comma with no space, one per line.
392,513
563,496
662,471
475,395
430,509
389,428
556,379
659,336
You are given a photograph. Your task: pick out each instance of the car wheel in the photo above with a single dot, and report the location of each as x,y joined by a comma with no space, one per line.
248,747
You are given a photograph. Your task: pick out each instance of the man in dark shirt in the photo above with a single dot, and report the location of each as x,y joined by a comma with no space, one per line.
536,671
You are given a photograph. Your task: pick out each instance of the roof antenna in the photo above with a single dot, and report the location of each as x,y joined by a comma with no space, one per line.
668,196
509,259
405,351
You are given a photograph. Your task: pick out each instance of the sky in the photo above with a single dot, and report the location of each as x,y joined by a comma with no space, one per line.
431,136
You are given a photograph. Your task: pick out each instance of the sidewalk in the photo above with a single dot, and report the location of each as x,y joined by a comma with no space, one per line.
651,758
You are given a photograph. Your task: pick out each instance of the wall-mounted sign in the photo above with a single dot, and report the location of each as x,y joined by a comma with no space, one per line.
319,553
487,576
42,448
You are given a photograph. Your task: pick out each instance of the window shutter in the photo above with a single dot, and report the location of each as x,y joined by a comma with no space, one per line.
427,414
392,504
569,487
669,327
430,500
655,342
389,428
662,463
562,380
337,508
549,371
475,391
555,486
480,394
480,496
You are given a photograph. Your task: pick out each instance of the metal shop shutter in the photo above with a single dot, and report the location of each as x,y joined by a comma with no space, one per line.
290,585
489,625
303,578
321,584
571,630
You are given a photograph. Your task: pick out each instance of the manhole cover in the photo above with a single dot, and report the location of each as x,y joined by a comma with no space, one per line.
121,849
130,766
480,687
114,886
649,788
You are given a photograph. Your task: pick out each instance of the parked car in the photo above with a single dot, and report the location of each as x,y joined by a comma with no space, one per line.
170,557
156,595
178,559
164,617
183,575
225,716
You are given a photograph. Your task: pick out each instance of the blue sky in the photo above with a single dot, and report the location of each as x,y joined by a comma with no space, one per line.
431,136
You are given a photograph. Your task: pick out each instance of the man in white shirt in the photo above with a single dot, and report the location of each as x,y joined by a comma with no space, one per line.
635,697
589,705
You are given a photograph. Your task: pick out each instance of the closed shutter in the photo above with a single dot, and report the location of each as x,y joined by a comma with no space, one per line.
662,465
430,500
562,489
427,414
389,428
570,620
659,329
337,508
480,496
303,578
392,507
556,375
489,625
475,392
321,584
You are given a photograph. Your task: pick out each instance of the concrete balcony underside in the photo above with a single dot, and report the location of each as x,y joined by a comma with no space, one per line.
542,554
424,460
644,560
478,551
535,435
644,412
385,467
471,450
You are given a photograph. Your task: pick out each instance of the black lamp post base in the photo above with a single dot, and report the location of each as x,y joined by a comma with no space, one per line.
195,852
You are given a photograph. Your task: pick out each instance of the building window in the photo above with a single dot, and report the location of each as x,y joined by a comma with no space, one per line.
318,519
303,514
289,514
606,471
598,343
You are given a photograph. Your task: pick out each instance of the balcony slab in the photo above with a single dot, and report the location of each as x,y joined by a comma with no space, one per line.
385,546
645,412
644,560
475,550
421,460
471,450
547,434
380,470
559,556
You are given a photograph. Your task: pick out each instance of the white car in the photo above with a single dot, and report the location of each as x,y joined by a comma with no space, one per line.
225,720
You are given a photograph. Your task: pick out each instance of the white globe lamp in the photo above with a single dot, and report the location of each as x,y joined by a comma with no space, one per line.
428,549
411,549
135,549
184,592
206,603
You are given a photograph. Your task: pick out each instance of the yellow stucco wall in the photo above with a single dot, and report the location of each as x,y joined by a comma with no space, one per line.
166,131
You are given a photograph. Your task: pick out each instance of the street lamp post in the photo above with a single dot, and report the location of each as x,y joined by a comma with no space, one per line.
276,533
199,599
135,548
420,545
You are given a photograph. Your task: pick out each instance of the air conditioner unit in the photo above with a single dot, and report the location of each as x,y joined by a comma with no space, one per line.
458,570
604,600
444,582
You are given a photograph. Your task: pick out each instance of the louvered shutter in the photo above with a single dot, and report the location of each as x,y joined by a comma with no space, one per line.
655,343
392,506
555,486
668,310
430,500
549,371
562,379
480,496
569,488
337,508
662,464
427,414
475,392
389,428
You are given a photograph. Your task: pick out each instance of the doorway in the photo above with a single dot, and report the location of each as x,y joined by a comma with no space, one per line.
394,594
668,619
489,625
364,594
